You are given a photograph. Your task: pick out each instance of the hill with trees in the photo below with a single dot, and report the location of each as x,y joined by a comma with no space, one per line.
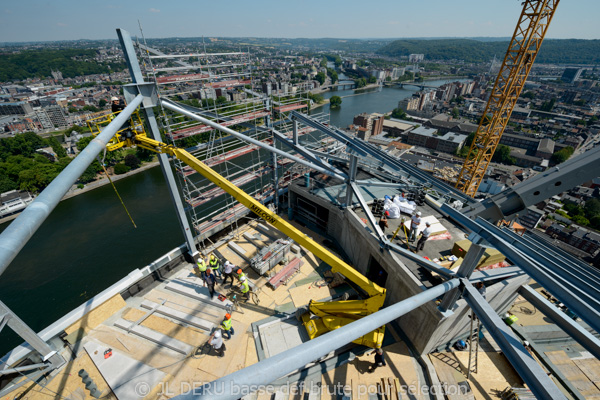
553,50
40,63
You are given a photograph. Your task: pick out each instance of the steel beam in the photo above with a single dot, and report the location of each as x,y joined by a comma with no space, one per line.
331,132
272,368
543,186
532,373
50,357
573,297
307,154
427,264
138,78
495,274
399,185
378,232
588,279
175,107
364,149
22,229
576,331
464,271
352,172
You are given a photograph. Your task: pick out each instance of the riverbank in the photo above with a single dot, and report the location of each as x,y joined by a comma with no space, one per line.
75,191
362,90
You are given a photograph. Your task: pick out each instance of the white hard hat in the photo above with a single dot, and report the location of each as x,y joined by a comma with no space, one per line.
526,343
114,98
218,333
243,278
418,213
428,223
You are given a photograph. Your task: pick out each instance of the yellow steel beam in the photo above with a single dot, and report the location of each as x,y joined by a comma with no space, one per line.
524,46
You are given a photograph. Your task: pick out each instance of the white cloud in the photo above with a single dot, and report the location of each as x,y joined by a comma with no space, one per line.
154,10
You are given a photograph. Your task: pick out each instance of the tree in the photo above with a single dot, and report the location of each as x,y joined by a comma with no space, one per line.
528,95
502,155
398,113
83,142
321,77
143,154
121,168
323,62
338,61
335,101
221,100
361,82
562,155
592,208
579,220
56,147
102,103
455,113
372,79
90,173
548,105
132,161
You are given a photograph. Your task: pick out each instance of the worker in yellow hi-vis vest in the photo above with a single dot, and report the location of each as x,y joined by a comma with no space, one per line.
226,327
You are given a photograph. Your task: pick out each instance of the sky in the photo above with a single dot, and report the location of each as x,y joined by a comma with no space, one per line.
43,20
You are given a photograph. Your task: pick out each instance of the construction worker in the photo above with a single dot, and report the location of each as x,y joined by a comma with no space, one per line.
202,266
415,221
226,327
383,222
379,360
215,265
210,281
116,105
216,341
424,236
245,288
228,272
241,275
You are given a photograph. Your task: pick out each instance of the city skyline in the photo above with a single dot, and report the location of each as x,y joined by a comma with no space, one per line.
37,20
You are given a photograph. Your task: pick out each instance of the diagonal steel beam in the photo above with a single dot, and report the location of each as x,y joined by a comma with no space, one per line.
170,105
272,368
370,217
532,373
304,152
22,229
576,331
581,304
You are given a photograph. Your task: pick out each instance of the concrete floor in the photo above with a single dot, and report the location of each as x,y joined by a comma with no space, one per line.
202,365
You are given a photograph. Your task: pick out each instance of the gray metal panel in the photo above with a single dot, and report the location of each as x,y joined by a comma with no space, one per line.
532,373
179,315
576,331
578,301
154,336
124,375
198,292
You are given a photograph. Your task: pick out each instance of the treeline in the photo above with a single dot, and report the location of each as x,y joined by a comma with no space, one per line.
40,63
556,51
23,168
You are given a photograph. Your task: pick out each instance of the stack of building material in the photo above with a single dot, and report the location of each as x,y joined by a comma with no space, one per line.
286,272
436,226
491,256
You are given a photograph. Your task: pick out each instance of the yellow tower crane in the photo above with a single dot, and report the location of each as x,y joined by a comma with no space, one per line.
524,46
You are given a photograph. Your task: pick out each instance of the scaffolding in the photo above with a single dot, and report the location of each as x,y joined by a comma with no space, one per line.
225,87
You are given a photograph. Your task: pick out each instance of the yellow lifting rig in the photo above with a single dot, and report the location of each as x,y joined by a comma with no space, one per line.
323,316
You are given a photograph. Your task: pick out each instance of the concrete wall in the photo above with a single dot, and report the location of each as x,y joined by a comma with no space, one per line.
426,327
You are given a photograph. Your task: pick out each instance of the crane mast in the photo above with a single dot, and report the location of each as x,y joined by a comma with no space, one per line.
524,47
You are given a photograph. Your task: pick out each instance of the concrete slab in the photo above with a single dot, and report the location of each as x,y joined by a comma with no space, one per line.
179,315
124,375
198,292
156,337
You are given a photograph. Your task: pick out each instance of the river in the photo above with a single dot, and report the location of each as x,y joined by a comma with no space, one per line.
88,242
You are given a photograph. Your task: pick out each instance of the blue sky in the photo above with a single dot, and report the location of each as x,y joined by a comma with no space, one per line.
37,20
